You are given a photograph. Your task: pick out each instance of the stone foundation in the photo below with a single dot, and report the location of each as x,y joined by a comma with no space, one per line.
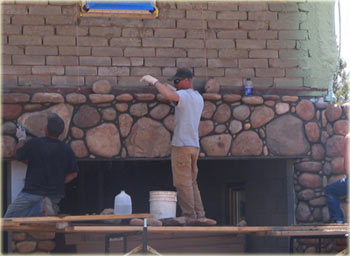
33,242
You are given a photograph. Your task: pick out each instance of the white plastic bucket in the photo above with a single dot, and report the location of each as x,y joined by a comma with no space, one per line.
162,204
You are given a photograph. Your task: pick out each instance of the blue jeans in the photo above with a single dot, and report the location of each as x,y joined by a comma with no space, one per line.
333,193
28,205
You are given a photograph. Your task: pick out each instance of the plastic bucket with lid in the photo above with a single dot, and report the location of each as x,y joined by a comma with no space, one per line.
162,204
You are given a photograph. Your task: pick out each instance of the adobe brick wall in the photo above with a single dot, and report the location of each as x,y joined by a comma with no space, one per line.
48,44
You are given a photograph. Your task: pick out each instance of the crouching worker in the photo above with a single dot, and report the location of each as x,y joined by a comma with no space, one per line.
185,144
51,164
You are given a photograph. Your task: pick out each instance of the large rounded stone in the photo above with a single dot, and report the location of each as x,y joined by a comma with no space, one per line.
77,133
335,146
318,201
338,165
312,131
285,136
46,97
139,109
306,194
309,180
124,97
36,122
11,111
79,148
205,127
261,115
333,112
217,145
247,143
232,97
47,245
15,97
109,114
26,246
241,112
9,128
317,151
208,109
102,86
302,212
148,138
169,122
86,117
309,166
282,108
160,111
75,98
346,108
223,113
341,127
306,110
125,123
104,140
235,126
253,100
8,145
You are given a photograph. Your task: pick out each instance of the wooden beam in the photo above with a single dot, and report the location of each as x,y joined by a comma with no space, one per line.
75,218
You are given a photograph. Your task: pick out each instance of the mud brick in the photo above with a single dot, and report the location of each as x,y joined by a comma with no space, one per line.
95,61
229,53
222,6
28,60
239,72
128,81
223,24
34,80
191,62
251,44
253,25
189,43
6,59
92,41
139,52
72,30
199,14
48,70
128,42
170,52
239,34
68,80
283,6
229,15
200,34
281,44
157,23
263,34
60,20
263,54
229,81
11,29
159,62
262,16
45,10
254,6
25,40
270,72
283,63
125,61
172,14
224,62
141,71
159,42
113,71
209,72
9,49
202,53
192,24
9,80
38,30
80,70
262,82
220,43
253,63
74,50
107,51
41,50
62,60
16,70
28,20
172,33
11,9
59,40
105,31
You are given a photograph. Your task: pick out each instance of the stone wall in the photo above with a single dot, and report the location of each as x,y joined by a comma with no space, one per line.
107,125
33,242
48,44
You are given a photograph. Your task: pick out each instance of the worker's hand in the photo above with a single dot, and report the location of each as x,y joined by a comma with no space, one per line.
149,79
21,133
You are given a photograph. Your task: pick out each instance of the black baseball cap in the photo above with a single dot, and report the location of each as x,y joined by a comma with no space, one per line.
182,73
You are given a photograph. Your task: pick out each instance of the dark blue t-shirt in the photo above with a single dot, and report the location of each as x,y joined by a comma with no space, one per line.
49,161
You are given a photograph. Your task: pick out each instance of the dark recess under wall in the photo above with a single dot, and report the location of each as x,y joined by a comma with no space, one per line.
268,184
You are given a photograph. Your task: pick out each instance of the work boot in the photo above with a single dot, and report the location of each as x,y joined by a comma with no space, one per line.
178,221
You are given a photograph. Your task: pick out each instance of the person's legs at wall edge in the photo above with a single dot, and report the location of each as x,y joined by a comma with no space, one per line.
333,193
182,180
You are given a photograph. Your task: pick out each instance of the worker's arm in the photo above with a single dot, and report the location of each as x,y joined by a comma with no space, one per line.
163,89
347,154
70,176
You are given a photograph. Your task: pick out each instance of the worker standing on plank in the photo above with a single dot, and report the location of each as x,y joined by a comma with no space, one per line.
51,164
185,143
340,188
